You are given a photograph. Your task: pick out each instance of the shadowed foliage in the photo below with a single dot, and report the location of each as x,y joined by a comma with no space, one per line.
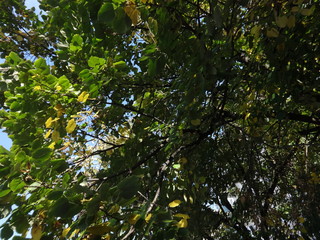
160,119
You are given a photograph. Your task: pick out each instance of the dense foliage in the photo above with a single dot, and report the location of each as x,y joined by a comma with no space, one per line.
161,119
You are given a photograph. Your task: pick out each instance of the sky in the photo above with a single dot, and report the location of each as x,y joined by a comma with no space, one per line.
4,140
33,3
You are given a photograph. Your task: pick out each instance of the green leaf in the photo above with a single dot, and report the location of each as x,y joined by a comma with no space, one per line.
55,194
3,86
65,180
64,82
13,58
3,150
42,154
120,65
6,232
20,156
106,14
41,64
77,40
76,43
20,238
96,61
129,187
93,206
4,192
121,22
16,184
64,209
20,222
15,106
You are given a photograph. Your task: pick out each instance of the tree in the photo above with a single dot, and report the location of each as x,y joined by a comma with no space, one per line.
161,119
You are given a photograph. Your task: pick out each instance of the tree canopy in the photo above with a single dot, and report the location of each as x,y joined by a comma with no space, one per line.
160,119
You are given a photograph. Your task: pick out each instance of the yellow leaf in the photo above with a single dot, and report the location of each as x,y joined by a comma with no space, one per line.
36,231
51,146
132,12
55,136
281,21
148,217
134,218
183,160
291,21
301,220
174,203
181,215
59,109
147,1
83,97
295,9
303,229
37,88
272,33
58,88
107,237
50,121
65,232
307,12
270,222
100,229
255,31
71,126
114,209
247,116
47,134
183,223
196,122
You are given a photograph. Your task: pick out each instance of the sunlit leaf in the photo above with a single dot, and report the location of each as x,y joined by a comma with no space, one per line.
71,126
148,217
83,97
50,122
181,215
37,88
133,218
16,184
51,146
174,203
183,223
48,133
